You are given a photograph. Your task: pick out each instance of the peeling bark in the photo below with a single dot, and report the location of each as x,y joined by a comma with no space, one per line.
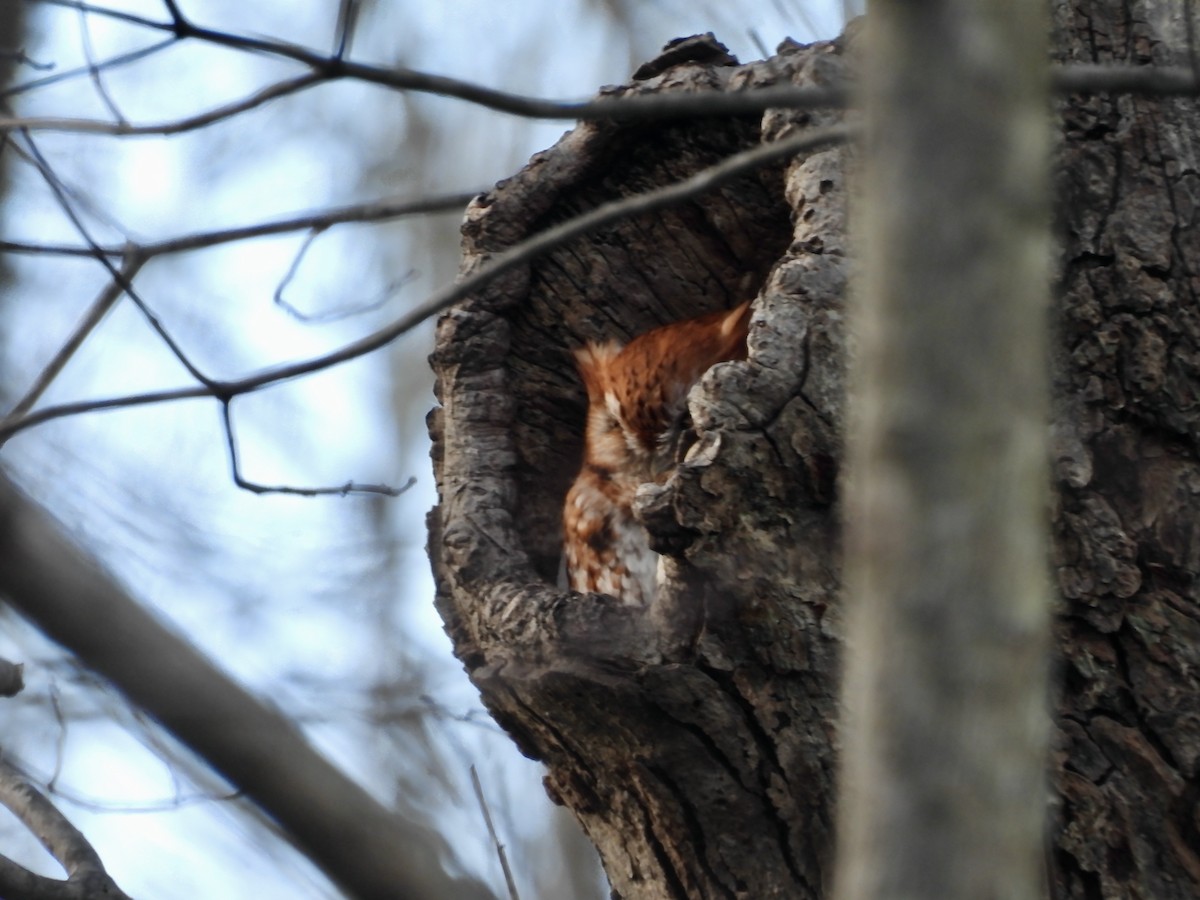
696,740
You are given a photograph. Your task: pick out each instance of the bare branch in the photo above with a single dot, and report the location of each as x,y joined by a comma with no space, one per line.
191,123
110,13
715,103
42,249
342,490
86,876
1069,79
10,427
1083,78
649,107
348,11
373,211
136,257
96,312
173,9
145,807
60,738
92,804
368,850
122,59
519,254
85,34
1066,79
292,269
34,155
20,57
509,881
333,315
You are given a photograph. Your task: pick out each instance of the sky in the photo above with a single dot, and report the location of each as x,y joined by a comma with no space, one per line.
321,605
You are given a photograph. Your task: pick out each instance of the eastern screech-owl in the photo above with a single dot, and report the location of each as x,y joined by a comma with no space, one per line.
636,398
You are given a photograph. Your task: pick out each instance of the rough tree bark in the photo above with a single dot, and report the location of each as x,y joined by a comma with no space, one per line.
696,741
693,740
1126,550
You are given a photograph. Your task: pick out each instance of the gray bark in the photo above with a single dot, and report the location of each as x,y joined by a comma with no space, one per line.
696,741
693,739
1126,762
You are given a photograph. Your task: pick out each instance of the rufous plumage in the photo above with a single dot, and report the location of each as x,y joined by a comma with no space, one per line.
637,397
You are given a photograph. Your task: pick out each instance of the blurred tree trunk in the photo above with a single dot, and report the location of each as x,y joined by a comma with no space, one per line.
944,732
696,741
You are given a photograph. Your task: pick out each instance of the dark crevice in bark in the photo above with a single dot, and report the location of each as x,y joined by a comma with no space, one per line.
712,749
769,765
1126,634
1092,886
775,448
674,883
582,773
694,828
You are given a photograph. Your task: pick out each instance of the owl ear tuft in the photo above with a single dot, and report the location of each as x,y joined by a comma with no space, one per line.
736,322
594,362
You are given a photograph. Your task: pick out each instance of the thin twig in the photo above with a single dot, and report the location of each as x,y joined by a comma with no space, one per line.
123,128
85,36
290,274
342,490
487,818
173,11
60,737
1066,79
373,211
1077,78
33,248
34,155
516,255
713,103
124,807
113,62
333,315
96,312
638,107
145,807
21,58
346,23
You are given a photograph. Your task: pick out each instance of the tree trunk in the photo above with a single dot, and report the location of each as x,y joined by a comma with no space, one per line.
696,740
1126,550
944,728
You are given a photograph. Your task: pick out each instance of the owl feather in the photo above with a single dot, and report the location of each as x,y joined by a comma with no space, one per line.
637,396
